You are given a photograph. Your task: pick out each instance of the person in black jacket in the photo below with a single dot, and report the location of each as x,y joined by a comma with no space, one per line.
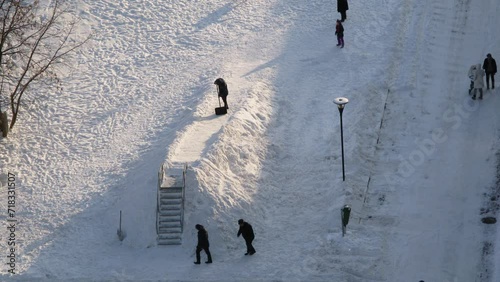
342,7
202,244
490,67
222,90
247,231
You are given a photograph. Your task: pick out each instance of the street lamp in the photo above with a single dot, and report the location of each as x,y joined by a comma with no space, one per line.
341,102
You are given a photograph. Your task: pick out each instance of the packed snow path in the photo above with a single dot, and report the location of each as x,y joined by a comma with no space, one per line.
193,142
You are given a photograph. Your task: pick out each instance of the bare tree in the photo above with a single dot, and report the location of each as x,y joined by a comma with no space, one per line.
34,39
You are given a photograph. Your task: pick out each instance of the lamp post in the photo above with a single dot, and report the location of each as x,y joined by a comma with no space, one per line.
341,102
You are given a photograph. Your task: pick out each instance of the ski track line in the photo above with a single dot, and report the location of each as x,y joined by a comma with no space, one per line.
452,25
402,79
456,266
399,74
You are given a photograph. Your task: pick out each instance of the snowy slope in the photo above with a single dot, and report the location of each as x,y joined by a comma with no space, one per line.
420,155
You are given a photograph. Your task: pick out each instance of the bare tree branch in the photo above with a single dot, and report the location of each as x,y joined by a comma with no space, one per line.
31,45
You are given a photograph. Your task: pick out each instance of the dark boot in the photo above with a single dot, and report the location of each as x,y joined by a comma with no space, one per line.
209,256
252,250
198,250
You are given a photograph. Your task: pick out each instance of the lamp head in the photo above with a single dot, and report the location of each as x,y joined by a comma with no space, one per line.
340,102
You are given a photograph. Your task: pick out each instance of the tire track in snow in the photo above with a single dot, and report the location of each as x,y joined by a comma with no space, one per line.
455,54
456,266
402,80
436,56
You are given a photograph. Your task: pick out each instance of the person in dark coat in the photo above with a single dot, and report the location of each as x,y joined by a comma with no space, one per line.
202,244
247,231
490,68
342,7
339,31
222,90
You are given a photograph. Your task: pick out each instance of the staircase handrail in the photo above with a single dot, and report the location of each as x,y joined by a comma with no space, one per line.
160,181
184,171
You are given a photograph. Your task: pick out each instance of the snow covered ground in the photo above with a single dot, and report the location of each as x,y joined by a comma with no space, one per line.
421,157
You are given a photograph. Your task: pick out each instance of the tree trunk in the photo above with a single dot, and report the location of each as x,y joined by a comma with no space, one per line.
13,121
4,124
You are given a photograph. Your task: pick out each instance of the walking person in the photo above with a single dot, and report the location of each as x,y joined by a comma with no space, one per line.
339,31
247,231
222,90
202,244
342,7
478,82
490,67
472,75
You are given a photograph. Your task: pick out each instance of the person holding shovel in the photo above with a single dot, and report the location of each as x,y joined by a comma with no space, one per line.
222,90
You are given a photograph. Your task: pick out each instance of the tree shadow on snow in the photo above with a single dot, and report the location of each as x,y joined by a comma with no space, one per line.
217,15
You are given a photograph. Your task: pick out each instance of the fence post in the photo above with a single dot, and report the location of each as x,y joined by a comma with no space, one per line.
345,212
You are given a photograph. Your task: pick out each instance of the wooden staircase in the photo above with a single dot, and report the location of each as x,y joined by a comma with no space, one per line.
170,206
